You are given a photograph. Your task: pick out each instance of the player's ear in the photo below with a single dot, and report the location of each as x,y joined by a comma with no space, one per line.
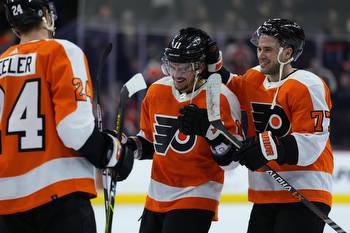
288,53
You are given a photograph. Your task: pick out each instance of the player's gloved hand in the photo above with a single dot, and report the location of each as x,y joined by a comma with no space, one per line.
223,152
259,150
120,155
214,58
193,120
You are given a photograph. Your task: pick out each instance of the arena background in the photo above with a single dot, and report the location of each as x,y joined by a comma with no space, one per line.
140,29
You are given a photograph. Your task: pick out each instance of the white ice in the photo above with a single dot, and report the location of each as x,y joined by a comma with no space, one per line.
233,218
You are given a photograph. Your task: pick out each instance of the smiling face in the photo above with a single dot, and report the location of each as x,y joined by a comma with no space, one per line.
183,75
267,52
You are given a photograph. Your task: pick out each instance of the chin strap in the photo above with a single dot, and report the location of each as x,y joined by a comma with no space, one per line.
194,84
282,64
51,27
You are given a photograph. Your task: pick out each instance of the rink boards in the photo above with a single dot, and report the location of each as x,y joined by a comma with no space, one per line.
133,190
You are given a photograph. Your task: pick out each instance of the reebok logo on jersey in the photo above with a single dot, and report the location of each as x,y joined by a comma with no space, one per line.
267,145
18,65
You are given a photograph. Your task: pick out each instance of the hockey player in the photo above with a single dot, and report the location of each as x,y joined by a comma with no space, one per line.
288,128
49,141
186,182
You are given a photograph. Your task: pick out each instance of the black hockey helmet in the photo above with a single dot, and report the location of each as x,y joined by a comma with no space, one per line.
288,32
24,14
189,45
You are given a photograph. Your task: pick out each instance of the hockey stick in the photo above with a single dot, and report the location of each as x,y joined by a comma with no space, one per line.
134,85
101,62
213,108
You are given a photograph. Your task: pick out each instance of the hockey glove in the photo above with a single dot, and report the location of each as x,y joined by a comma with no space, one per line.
264,147
214,57
215,63
223,152
193,120
120,156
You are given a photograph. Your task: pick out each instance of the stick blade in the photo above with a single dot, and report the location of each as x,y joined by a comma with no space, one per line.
135,84
213,97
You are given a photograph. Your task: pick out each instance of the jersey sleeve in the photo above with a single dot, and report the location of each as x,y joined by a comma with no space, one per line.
310,119
71,91
236,85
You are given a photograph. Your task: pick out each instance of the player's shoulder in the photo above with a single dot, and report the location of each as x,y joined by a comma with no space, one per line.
306,78
59,46
10,50
165,81
157,87
254,72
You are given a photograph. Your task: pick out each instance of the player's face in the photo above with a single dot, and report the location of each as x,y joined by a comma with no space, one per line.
267,51
183,75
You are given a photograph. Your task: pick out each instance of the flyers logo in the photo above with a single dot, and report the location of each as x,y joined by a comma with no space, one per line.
167,135
267,119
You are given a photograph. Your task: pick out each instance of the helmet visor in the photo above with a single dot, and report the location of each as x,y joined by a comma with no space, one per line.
172,68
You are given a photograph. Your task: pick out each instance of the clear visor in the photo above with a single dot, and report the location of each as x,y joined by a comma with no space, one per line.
172,68
254,39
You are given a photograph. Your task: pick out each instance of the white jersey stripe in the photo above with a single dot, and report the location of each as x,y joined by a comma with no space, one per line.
312,144
33,181
76,127
312,180
163,192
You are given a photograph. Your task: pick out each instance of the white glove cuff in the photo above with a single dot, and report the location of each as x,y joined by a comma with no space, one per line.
138,151
114,154
268,145
216,66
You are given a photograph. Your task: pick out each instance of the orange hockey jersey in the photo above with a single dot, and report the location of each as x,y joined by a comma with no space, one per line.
45,113
303,110
184,174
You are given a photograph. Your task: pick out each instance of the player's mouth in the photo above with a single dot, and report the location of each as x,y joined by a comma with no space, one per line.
179,80
264,63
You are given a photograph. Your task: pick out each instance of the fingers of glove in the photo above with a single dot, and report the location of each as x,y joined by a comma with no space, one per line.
252,160
184,125
115,152
211,44
190,112
193,110
192,107
124,138
114,133
124,169
180,122
213,54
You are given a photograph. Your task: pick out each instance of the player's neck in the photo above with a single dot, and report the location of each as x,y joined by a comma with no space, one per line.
39,34
287,69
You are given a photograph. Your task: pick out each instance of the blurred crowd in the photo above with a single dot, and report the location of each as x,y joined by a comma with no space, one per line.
139,31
